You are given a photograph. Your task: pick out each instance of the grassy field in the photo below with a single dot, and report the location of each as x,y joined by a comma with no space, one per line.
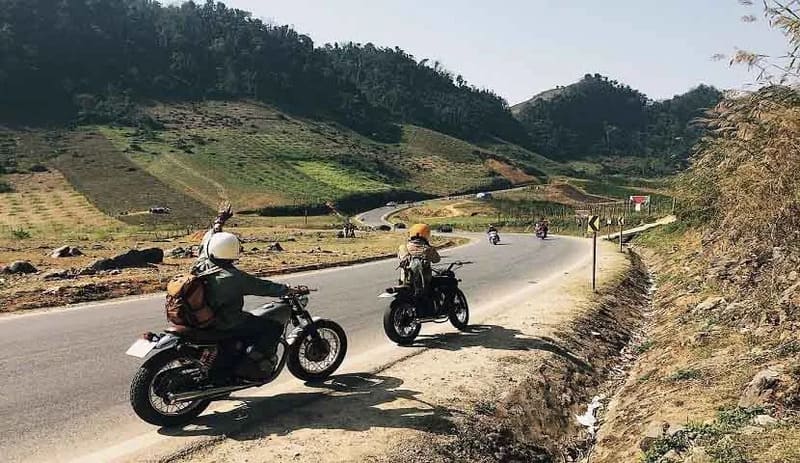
256,156
46,204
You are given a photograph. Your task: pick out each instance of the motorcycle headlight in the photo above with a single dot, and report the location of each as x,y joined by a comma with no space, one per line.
303,300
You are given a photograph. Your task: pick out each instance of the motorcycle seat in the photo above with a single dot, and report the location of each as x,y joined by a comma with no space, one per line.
196,334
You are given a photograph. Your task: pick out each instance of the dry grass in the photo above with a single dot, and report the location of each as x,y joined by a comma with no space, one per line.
46,204
303,249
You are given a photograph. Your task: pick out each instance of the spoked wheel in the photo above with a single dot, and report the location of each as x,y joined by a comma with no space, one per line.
152,385
459,312
315,358
400,323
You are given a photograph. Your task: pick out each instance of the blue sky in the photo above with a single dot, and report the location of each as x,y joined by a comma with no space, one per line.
520,47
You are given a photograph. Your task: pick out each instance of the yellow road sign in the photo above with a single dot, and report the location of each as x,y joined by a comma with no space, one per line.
594,223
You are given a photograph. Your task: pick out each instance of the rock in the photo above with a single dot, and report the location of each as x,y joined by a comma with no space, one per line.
180,253
698,455
654,431
65,251
57,275
750,430
671,456
709,304
19,267
765,420
276,247
132,258
675,429
792,275
760,389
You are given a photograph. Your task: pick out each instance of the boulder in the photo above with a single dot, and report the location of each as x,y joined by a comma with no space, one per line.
19,267
750,430
654,431
709,304
132,258
698,455
760,389
65,251
671,457
57,275
179,252
765,420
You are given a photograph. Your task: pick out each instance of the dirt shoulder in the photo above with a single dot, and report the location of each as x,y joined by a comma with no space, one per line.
415,410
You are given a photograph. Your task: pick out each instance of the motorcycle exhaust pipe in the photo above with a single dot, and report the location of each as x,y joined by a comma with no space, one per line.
208,393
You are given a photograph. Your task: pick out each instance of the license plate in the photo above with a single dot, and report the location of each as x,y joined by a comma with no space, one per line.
140,348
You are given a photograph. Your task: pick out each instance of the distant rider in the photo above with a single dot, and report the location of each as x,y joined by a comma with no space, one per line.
491,228
226,287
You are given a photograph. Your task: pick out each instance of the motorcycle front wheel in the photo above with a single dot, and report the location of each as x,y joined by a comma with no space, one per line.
314,358
151,384
459,312
400,323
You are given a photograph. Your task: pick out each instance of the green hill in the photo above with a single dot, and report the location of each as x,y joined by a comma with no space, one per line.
259,158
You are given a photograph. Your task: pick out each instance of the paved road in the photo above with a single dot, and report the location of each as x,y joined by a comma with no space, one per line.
64,377
374,218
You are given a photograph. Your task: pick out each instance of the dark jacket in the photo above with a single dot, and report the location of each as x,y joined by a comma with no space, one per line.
226,288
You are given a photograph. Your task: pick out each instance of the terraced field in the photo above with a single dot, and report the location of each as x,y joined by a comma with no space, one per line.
120,188
46,204
256,156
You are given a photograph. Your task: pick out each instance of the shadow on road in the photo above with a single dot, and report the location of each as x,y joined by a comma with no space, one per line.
353,402
500,338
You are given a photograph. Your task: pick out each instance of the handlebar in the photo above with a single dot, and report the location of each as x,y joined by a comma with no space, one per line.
301,290
454,265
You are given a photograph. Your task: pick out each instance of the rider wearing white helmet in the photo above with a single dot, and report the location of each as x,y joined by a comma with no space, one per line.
226,287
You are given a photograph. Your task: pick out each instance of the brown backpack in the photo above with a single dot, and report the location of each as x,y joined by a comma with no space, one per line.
186,302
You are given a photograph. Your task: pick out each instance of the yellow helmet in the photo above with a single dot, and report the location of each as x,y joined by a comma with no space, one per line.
421,229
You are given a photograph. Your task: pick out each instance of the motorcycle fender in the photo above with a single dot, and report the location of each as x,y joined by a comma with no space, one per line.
166,342
143,348
388,295
297,332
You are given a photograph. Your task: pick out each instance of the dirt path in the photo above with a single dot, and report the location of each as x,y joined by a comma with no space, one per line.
368,416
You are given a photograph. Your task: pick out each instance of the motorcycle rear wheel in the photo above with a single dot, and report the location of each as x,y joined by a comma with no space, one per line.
154,409
396,319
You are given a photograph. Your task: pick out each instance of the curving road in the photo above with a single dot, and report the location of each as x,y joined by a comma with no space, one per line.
64,376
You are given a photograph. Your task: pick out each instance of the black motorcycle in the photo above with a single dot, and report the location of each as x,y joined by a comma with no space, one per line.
403,319
173,386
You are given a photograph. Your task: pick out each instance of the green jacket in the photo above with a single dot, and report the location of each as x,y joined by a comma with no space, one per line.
226,288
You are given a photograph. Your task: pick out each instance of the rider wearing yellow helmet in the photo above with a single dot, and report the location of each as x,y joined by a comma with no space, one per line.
418,246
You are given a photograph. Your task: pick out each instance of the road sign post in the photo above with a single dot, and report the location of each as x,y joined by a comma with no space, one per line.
594,227
621,223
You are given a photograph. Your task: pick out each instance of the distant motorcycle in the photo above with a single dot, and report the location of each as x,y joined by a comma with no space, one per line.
173,387
541,231
403,319
494,237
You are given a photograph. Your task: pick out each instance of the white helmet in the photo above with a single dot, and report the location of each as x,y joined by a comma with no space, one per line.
224,246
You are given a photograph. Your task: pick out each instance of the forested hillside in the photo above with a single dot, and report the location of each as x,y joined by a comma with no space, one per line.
105,62
601,117
95,58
